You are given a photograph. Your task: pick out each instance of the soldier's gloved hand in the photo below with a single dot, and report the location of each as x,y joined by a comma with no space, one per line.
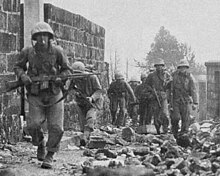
194,107
26,79
89,99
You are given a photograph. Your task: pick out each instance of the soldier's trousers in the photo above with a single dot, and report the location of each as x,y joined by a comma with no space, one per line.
146,113
181,111
133,113
87,119
121,102
53,115
161,115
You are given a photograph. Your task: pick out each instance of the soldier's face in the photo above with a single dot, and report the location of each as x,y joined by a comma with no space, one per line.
183,69
159,67
42,39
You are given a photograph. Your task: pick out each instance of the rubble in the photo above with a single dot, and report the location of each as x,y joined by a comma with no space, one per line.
121,151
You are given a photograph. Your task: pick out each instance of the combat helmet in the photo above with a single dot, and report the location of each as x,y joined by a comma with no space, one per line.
159,61
41,27
143,76
119,75
78,66
134,79
183,63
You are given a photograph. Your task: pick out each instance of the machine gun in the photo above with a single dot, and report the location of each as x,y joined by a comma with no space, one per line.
12,85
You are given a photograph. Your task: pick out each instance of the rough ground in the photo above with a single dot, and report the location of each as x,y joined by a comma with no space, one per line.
125,153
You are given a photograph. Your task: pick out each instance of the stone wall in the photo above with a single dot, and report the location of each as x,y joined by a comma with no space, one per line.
82,40
213,89
9,47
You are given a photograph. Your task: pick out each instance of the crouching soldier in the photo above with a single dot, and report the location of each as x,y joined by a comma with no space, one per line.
88,95
117,93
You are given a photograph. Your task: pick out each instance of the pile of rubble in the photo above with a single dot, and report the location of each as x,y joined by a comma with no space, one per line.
115,151
118,150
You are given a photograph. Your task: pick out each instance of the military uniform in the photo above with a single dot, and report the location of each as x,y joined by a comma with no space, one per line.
118,92
183,96
157,86
133,108
43,97
141,92
89,87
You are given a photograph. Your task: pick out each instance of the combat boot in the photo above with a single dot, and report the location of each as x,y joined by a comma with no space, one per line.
41,151
48,161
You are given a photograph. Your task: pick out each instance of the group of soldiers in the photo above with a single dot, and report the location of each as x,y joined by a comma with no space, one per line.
162,98
148,100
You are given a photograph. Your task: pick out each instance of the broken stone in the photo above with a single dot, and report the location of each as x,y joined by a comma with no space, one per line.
107,152
132,161
101,156
96,142
146,129
88,153
141,151
128,134
179,164
120,141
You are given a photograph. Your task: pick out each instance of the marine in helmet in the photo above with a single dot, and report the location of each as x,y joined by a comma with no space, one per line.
45,98
88,93
133,107
118,93
184,94
157,85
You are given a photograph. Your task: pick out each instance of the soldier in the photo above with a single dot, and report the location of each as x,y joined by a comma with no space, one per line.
133,107
157,86
117,92
140,91
88,93
44,98
183,95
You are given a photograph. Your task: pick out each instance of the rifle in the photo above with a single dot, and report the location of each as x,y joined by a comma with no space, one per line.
158,100
11,85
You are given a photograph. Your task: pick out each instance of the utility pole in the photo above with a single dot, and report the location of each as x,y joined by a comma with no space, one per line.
116,60
126,68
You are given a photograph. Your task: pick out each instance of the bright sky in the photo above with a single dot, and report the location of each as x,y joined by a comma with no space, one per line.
131,25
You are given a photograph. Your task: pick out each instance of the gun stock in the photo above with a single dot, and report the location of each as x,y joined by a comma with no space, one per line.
9,86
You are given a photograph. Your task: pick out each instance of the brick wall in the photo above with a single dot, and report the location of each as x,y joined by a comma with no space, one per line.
82,40
9,47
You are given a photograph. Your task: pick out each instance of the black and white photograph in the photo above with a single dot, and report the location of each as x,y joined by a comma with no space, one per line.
110,88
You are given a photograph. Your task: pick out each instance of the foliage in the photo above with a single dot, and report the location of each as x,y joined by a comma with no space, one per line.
167,47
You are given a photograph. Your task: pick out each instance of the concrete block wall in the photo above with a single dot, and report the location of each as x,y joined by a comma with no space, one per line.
82,40
9,49
213,87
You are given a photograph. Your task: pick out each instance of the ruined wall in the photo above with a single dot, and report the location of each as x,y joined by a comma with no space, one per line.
82,40
213,89
9,47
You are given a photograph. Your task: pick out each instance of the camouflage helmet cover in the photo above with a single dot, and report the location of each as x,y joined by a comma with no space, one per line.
159,61
41,27
78,66
183,63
